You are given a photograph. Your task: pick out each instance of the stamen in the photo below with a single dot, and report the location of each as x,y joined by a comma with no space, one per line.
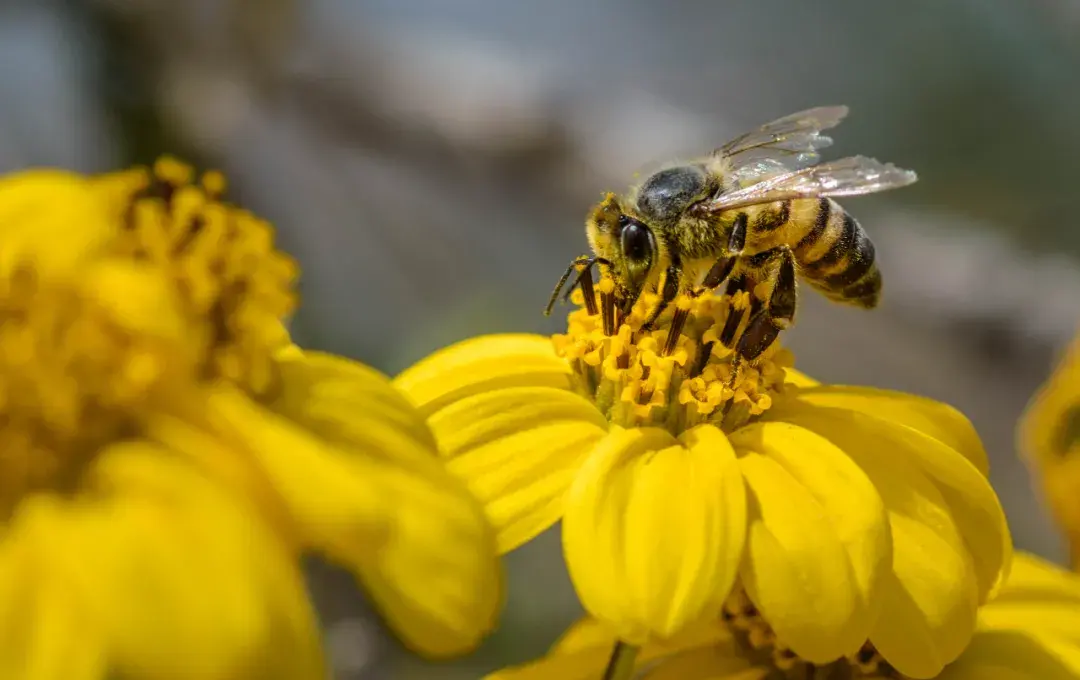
753,633
678,320
675,376
607,305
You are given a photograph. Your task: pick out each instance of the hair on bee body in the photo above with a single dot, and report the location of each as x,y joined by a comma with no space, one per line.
758,212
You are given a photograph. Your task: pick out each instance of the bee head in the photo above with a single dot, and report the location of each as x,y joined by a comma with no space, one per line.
625,241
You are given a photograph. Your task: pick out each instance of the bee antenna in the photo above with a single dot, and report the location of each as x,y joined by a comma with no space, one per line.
586,263
562,282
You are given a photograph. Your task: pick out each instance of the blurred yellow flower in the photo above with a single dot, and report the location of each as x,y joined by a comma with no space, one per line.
1030,631
168,456
1050,439
842,514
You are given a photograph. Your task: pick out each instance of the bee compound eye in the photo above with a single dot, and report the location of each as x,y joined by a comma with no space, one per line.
637,242
622,220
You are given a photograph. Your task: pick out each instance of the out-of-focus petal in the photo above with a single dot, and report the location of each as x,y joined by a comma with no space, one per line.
45,629
1049,438
584,650
1030,631
818,542
1015,655
169,564
346,402
644,560
361,484
482,364
719,662
51,218
518,449
1050,429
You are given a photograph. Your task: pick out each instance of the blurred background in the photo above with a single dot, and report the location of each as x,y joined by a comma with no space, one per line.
430,164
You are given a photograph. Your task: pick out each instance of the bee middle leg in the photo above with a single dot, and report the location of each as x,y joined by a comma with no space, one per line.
775,315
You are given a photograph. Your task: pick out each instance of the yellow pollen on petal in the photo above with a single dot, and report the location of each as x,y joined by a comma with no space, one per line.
677,374
222,259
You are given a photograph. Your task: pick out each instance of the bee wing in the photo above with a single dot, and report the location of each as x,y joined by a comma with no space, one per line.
845,177
796,137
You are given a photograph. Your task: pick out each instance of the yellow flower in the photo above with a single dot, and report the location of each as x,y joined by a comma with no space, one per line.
168,457
1050,439
1030,631
843,514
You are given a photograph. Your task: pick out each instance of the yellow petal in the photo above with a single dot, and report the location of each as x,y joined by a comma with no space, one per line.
179,580
585,633
812,499
343,401
1015,655
1049,431
931,593
972,503
1031,630
932,418
361,485
798,378
585,648
795,570
1038,597
518,449
654,529
50,218
1049,438
718,662
482,364
45,629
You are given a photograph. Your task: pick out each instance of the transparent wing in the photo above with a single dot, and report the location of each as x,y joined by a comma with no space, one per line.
796,139
846,177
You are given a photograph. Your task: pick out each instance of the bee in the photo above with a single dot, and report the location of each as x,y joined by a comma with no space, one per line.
756,213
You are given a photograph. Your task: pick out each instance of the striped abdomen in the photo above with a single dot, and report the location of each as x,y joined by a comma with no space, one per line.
834,254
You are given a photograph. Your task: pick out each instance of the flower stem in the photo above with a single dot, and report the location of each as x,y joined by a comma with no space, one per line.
621,665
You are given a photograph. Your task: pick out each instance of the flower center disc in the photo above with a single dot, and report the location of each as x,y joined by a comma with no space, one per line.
678,374
224,262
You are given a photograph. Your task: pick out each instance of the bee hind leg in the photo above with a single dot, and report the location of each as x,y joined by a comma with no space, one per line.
775,316
766,320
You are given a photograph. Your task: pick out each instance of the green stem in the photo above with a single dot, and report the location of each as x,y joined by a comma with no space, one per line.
621,665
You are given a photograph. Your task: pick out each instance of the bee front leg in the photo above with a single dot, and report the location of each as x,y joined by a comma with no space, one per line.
667,295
